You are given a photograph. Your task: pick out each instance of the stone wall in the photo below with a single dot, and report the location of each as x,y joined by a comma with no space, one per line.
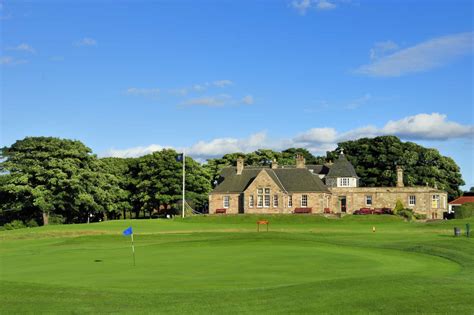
386,197
216,201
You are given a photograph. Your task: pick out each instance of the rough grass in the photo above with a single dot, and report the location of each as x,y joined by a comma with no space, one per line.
219,264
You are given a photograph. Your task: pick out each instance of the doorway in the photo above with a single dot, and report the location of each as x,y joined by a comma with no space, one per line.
343,204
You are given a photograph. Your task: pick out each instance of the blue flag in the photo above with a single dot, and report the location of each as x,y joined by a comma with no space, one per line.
179,158
128,231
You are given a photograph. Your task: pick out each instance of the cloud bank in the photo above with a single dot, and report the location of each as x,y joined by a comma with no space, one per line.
423,126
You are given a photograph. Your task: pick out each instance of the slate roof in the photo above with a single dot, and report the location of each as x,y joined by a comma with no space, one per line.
342,168
288,179
318,169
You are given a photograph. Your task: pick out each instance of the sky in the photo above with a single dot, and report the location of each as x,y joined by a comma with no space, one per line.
212,77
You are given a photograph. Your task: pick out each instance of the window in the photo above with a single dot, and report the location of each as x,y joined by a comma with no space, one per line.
368,200
251,201
259,201
259,197
290,201
304,200
435,201
226,202
345,182
411,200
275,201
267,201
267,198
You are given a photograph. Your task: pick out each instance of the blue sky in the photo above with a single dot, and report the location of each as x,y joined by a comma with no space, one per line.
127,78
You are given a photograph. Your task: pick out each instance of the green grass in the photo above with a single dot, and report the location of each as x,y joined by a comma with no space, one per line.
219,264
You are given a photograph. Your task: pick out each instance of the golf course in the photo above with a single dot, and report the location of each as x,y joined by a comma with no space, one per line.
221,264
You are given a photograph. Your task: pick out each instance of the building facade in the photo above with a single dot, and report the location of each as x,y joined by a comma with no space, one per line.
305,188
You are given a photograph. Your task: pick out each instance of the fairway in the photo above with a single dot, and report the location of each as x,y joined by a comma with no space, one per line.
305,264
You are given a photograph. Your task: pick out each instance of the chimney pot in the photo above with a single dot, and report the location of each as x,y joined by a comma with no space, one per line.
400,177
240,165
274,164
300,161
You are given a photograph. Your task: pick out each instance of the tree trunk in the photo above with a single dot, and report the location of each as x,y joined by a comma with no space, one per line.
45,218
105,216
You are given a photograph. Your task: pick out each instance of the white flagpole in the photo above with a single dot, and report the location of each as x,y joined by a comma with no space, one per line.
184,176
133,250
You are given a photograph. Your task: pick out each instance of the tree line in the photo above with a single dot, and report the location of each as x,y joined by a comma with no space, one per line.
53,180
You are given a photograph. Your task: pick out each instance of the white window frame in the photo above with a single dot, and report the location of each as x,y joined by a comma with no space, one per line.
304,201
412,200
345,181
259,201
275,201
251,201
290,201
436,198
367,197
226,202
266,201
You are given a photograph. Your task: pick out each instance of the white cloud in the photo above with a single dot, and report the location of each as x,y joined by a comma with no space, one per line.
382,48
424,56
317,135
143,91
222,83
134,152
212,101
86,41
325,5
303,6
248,100
23,47
11,61
433,126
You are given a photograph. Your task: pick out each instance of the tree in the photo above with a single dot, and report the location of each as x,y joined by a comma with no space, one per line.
159,180
375,161
45,175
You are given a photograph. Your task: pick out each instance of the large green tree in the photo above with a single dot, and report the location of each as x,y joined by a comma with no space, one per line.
375,161
159,181
46,175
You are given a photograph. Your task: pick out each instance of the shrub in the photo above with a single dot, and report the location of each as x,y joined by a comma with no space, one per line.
398,206
32,223
420,216
56,219
464,211
15,224
406,213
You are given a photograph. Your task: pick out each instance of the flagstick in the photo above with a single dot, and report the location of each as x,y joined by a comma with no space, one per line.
184,165
133,251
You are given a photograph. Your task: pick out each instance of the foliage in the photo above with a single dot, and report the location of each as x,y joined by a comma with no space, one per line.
15,224
32,223
398,206
159,181
405,213
420,216
45,175
464,211
375,161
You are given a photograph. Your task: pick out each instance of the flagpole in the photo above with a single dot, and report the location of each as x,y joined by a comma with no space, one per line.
184,166
133,251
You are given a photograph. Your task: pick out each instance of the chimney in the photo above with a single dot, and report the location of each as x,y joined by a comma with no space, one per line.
300,162
274,164
240,165
400,177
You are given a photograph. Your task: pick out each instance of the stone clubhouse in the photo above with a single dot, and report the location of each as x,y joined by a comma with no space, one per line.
330,188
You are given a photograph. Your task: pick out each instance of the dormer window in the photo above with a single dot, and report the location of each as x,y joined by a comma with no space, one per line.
345,181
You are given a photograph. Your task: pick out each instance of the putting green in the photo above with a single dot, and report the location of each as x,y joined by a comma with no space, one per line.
233,272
